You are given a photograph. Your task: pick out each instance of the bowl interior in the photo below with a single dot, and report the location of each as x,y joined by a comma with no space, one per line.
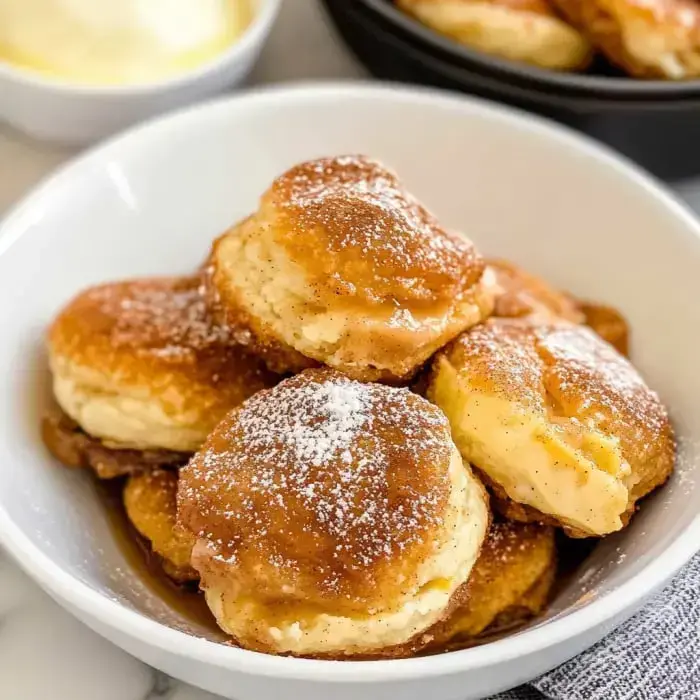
151,202
600,81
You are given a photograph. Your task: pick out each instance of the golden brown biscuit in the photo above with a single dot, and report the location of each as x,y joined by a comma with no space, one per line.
557,419
531,604
647,38
73,447
522,295
520,30
142,365
609,324
511,581
150,501
333,519
341,266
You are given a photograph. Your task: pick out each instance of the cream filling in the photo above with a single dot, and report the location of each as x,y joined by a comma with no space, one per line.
581,481
129,418
438,578
520,36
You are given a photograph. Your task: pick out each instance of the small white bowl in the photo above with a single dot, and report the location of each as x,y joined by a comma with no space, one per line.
150,202
64,112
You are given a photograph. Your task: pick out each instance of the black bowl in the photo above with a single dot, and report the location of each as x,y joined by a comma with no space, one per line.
660,130
601,80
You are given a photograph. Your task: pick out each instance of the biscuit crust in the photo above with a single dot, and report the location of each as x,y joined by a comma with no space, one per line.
141,364
521,295
609,324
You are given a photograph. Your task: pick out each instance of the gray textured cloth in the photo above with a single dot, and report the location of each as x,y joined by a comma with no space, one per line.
653,656
526,692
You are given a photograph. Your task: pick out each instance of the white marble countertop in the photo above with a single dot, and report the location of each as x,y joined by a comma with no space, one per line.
45,654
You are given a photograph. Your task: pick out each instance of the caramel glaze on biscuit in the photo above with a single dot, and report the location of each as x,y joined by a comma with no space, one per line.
155,339
143,329
321,495
358,208
378,270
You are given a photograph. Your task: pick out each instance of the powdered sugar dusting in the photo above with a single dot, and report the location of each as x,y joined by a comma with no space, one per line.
321,472
170,316
508,541
159,333
502,356
592,381
342,410
362,206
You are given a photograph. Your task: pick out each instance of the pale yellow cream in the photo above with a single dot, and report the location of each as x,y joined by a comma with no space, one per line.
534,458
107,42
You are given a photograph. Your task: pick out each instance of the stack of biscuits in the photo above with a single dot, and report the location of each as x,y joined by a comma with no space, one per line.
354,434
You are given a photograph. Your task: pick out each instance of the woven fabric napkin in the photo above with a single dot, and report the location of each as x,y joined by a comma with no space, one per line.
653,656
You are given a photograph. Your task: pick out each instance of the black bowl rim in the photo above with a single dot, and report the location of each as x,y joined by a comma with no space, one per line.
600,86
464,75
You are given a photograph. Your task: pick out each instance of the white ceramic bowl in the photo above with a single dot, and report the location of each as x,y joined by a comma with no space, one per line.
151,201
70,113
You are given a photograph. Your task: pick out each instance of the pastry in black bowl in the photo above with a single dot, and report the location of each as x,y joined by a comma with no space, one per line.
654,122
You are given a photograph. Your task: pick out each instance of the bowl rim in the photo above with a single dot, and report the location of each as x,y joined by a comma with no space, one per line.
253,35
600,86
88,603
